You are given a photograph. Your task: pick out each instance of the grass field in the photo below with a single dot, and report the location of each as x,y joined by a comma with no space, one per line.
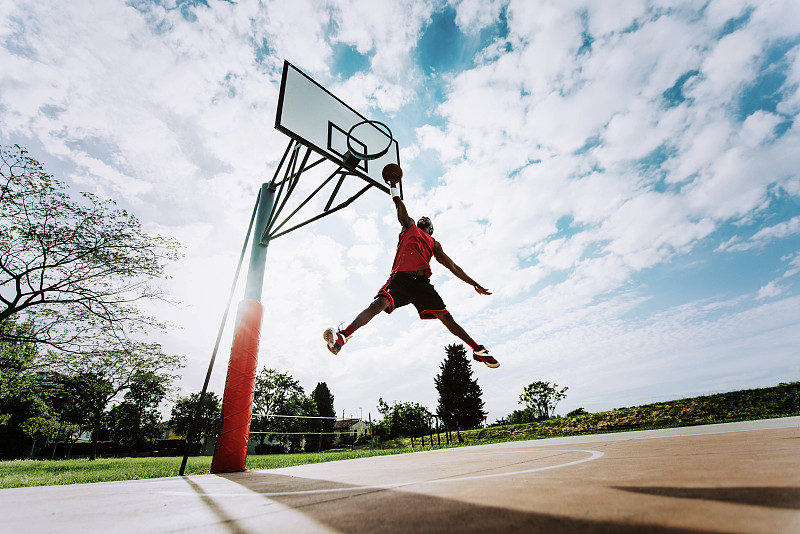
24,473
779,401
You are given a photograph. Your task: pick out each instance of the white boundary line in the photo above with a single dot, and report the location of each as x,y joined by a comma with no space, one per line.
593,455
658,433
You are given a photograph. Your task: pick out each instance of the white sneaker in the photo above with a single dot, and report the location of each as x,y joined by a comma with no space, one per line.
335,340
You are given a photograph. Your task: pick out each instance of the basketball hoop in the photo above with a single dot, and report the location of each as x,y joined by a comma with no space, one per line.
353,156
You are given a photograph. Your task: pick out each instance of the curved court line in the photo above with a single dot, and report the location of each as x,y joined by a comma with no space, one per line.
593,455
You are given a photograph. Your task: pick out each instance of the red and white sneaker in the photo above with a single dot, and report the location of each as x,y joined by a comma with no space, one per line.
335,340
481,354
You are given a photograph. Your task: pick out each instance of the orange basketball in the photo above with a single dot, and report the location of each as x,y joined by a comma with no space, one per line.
392,173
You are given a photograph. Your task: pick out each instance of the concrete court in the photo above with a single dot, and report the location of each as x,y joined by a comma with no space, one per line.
737,477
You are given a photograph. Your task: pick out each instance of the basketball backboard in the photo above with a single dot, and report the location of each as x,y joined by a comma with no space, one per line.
315,117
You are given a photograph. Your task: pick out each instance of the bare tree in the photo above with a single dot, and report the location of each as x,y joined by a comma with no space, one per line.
75,269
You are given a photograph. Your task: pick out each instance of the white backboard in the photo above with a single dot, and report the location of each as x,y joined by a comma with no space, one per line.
312,115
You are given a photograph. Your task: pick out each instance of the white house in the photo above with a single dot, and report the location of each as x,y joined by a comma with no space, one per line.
349,430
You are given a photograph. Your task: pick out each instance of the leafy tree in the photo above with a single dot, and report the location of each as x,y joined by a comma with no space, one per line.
183,413
460,403
132,428
577,412
402,418
323,399
279,394
73,399
276,393
39,427
105,374
92,391
136,422
76,269
19,398
518,417
70,434
147,390
541,398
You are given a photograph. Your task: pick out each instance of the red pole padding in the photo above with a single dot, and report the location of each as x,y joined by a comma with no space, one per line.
237,402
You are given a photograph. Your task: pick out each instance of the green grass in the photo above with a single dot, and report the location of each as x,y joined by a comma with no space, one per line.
778,401
22,473
25,473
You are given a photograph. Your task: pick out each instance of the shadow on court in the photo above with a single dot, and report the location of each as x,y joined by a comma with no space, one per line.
348,508
778,497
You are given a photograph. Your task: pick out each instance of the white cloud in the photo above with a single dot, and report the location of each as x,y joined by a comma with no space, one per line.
474,15
432,138
758,128
770,290
700,148
604,18
650,228
764,236
719,12
794,265
294,31
378,32
368,91
727,67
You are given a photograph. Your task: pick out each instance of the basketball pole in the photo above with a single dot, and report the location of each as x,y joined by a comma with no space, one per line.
230,454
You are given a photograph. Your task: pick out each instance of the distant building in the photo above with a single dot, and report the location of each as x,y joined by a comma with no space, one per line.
46,381
167,432
349,430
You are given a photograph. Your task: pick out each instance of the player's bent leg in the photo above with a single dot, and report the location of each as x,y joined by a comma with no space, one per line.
335,339
454,327
479,352
376,306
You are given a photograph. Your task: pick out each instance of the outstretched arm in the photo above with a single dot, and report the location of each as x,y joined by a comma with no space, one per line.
445,260
402,214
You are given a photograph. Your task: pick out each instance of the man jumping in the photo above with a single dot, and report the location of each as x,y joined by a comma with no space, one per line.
410,283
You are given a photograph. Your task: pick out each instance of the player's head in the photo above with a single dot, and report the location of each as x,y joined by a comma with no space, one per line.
425,224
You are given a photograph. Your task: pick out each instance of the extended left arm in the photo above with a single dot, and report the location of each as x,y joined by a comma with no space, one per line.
445,260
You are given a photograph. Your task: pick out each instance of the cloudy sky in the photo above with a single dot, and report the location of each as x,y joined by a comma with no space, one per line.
624,176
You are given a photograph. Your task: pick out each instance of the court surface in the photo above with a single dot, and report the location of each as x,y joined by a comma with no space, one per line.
737,477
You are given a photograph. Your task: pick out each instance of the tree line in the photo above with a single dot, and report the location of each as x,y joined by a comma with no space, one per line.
61,397
460,405
72,334
53,396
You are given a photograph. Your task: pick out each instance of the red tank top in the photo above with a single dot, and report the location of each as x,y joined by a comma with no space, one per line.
414,251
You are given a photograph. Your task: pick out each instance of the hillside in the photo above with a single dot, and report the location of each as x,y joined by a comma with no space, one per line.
764,403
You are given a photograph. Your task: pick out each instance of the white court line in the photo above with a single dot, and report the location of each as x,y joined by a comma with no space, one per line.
593,455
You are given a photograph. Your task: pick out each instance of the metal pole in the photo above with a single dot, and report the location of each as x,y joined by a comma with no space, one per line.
201,399
237,402
258,252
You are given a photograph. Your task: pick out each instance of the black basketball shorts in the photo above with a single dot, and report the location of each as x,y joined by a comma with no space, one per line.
404,288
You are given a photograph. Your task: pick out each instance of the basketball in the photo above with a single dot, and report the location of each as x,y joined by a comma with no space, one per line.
392,173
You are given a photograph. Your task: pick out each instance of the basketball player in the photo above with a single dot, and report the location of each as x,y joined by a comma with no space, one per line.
410,283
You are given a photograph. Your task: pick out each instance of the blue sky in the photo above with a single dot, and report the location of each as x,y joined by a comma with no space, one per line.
623,177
